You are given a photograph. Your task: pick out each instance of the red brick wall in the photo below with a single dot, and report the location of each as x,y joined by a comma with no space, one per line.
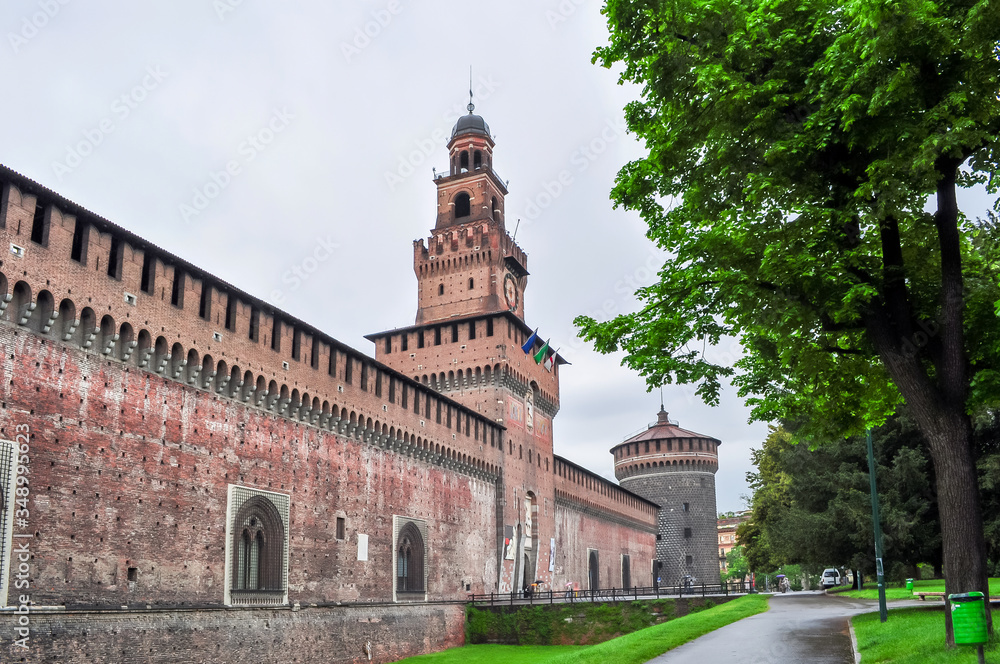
580,529
130,469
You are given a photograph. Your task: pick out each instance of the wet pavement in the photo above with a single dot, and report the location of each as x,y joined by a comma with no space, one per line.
799,627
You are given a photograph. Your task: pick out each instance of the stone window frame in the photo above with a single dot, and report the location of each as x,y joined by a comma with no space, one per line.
264,517
406,530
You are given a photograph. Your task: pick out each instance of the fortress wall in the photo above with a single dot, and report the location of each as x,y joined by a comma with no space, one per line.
213,342
130,470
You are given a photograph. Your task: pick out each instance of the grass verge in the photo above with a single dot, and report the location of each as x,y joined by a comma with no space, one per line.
634,648
489,653
900,592
910,636
648,643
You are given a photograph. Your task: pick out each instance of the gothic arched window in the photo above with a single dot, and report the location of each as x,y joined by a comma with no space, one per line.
258,552
409,560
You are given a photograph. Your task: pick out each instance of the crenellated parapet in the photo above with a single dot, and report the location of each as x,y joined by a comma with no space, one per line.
579,487
76,278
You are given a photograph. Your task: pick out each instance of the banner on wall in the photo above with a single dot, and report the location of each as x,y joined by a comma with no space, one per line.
508,542
552,554
527,523
515,412
542,428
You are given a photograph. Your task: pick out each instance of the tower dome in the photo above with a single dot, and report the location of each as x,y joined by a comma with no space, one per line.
471,124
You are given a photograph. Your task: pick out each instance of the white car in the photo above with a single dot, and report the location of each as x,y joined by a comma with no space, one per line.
831,578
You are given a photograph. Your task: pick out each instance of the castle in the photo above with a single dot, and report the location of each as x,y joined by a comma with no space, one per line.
190,474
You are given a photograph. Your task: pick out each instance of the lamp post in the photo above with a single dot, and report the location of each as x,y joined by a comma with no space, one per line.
879,570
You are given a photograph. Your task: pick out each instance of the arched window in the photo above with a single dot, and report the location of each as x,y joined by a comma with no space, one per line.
471,282
463,207
477,160
463,162
440,289
409,560
494,209
258,558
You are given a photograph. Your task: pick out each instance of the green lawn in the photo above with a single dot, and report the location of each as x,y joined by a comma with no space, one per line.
910,636
490,654
634,648
900,592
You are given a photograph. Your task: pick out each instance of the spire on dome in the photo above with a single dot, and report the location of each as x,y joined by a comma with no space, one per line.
661,417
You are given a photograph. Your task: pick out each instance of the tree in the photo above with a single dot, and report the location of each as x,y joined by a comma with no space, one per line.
793,148
737,565
823,517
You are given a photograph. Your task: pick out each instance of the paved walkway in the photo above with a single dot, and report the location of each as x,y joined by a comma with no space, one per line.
800,627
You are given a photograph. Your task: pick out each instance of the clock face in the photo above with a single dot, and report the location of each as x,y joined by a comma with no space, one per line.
510,291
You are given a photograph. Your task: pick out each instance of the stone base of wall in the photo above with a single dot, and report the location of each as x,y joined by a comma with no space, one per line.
333,634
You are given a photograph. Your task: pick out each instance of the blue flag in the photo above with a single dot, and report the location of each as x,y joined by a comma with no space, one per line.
530,342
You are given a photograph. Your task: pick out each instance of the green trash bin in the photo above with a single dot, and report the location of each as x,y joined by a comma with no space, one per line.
968,617
909,584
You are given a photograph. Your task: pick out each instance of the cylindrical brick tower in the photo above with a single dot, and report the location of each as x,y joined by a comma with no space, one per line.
675,468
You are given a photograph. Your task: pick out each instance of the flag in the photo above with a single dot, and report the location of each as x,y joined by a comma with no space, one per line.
540,355
550,360
530,342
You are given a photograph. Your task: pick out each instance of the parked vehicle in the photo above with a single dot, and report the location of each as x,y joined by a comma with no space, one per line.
831,578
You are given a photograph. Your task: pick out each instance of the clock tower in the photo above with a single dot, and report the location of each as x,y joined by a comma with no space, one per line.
467,344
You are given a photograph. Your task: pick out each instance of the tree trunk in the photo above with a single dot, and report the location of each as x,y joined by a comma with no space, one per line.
962,537
930,368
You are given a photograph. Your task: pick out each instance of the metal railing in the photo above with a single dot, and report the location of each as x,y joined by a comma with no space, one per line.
611,594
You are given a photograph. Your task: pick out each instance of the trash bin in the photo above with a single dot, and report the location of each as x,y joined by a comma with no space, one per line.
909,584
968,617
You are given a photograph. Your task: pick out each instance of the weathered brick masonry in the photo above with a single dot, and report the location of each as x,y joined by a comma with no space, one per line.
210,635
196,454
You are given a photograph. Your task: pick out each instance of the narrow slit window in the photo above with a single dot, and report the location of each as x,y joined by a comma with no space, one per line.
231,313
177,290
40,225
78,253
205,306
115,259
254,331
276,335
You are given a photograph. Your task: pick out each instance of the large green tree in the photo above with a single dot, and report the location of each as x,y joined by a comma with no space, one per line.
804,159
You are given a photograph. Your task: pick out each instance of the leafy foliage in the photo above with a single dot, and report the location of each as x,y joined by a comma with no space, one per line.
789,144
793,148
812,506
737,565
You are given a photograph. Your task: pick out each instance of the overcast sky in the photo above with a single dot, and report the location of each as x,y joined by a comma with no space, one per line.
330,117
